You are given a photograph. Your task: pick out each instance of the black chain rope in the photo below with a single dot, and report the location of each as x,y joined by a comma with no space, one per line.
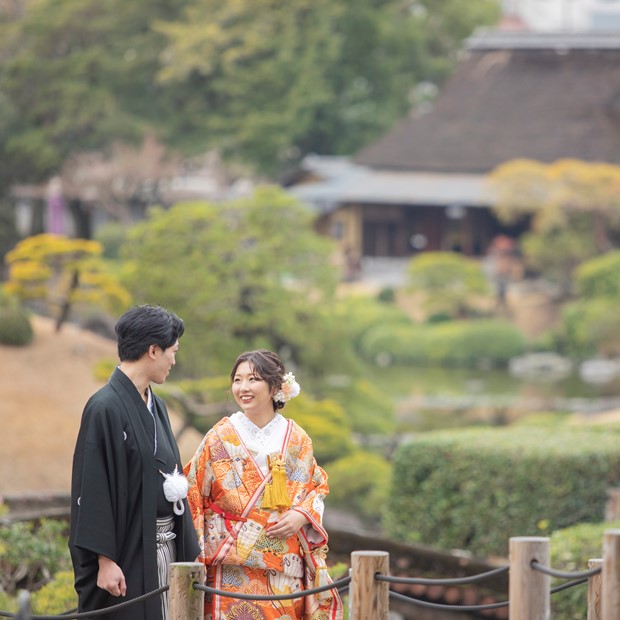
92,614
546,570
274,597
428,604
569,584
499,605
341,585
445,582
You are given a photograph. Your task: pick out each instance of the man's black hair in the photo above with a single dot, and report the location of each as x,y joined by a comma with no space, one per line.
142,326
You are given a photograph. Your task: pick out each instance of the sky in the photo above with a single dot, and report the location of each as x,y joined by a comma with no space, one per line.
575,15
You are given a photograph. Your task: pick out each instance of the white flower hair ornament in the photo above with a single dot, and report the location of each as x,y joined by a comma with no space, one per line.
289,389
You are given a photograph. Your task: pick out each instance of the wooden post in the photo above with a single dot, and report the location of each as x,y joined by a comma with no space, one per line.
186,603
610,607
369,598
23,598
595,585
612,507
530,592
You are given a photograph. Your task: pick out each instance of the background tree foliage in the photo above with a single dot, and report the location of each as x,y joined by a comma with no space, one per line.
449,282
243,274
574,207
263,81
277,81
60,273
77,75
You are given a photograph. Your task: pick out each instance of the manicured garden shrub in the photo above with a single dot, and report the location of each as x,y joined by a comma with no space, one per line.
474,489
359,314
599,277
57,596
571,548
450,282
590,327
15,328
453,343
369,410
326,422
591,324
360,483
30,554
8,603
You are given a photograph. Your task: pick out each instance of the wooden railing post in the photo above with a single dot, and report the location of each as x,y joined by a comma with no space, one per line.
186,603
612,506
610,608
595,585
530,594
23,599
369,598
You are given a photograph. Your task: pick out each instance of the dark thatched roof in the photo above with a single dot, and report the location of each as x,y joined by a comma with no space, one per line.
515,95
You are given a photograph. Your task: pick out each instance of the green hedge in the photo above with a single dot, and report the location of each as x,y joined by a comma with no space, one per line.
599,277
360,483
571,548
15,327
474,489
359,314
454,343
590,327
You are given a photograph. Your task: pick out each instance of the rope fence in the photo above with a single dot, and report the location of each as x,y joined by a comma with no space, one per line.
369,582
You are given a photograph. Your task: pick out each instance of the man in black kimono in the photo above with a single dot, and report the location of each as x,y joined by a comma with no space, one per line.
124,531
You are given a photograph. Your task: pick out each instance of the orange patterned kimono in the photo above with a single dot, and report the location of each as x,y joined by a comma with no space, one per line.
226,491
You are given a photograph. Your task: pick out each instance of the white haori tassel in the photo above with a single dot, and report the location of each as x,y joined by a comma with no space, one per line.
175,489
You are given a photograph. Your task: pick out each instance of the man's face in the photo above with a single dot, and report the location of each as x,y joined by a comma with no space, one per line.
163,361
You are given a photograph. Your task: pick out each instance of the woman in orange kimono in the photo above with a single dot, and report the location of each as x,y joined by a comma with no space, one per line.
256,498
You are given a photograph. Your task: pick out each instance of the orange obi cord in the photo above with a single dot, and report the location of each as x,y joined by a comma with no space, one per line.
228,517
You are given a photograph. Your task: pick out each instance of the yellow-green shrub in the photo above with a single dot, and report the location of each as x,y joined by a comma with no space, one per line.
360,483
55,597
326,423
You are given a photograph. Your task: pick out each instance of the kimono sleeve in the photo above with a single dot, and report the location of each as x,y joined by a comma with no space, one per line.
200,477
312,504
99,482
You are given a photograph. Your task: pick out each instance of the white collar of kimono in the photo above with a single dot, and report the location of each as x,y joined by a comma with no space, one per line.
261,441
149,399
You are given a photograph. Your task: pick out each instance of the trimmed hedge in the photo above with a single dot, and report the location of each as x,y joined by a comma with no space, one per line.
453,343
474,489
15,327
360,483
598,277
571,548
590,327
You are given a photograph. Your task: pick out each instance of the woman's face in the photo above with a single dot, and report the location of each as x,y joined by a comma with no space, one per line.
252,393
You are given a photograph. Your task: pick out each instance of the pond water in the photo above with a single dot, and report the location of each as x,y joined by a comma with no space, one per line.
431,398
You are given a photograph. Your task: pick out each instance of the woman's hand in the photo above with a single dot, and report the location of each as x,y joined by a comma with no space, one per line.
287,525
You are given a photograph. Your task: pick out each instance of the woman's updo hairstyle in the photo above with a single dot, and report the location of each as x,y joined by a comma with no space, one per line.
265,364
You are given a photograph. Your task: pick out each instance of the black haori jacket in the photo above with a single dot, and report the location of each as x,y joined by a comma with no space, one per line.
114,499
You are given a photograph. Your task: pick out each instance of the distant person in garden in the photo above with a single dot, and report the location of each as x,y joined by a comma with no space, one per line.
129,515
504,266
256,498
